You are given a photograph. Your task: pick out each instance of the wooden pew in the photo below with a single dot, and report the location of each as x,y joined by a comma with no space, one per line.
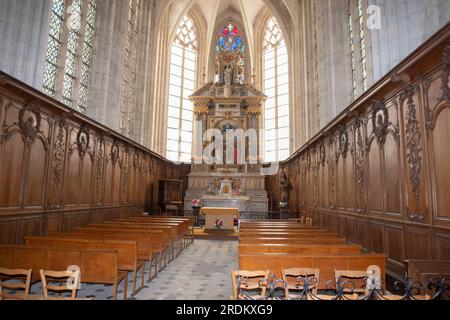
182,228
127,258
287,226
170,230
294,235
96,266
298,249
266,230
164,232
327,263
161,240
273,240
189,228
150,246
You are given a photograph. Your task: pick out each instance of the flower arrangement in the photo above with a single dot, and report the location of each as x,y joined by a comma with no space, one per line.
196,202
219,224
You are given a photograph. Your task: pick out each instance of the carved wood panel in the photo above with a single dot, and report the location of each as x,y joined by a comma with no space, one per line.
58,169
387,162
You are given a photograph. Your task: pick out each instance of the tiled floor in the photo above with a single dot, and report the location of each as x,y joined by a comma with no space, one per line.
201,272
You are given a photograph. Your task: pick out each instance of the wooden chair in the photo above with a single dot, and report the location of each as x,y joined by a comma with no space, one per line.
291,276
249,281
60,277
12,281
366,279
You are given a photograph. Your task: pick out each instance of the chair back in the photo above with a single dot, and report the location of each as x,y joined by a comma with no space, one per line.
70,280
14,284
295,279
360,281
247,281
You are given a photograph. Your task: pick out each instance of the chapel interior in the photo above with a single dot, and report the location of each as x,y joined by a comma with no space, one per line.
224,150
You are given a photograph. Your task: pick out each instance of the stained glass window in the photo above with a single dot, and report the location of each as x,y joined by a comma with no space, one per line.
69,51
182,84
276,88
230,39
54,46
128,94
352,50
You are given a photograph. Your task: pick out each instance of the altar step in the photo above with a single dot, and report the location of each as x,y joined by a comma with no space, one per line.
199,233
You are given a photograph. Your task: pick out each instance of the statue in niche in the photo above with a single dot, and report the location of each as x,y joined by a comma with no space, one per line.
285,186
216,73
228,74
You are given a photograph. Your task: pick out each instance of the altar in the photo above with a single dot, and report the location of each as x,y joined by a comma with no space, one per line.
226,171
241,203
223,216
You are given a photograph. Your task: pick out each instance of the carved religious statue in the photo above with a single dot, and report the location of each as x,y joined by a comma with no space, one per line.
285,186
228,74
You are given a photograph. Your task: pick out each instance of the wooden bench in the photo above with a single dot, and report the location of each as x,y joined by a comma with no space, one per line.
187,231
127,258
179,238
279,240
164,232
326,263
96,266
169,232
151,243
298,249
293,235
150,247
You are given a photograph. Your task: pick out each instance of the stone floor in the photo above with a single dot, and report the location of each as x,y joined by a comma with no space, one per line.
201,272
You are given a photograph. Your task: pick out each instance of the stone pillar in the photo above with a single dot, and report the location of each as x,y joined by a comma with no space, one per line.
24,35
107,63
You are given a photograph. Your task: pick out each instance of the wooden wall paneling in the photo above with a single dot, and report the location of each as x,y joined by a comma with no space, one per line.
31,226
99,179
375,199
394,241
441,245
340,183
83,219
440,165
109,175
73,174
349,173
37,146
87,154
360,163
413,147
9,230
405,132
57,164
341,225
69,221
438,111
418,243
392,183
12,154
362,232
52,222
376,235
350,229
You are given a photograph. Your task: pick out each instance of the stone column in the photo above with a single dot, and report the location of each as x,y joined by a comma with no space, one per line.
24,35
107,63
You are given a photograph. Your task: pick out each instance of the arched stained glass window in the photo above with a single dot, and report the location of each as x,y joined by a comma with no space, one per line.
230,39
182,84
276,88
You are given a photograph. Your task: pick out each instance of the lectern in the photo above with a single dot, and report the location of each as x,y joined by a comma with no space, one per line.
170,195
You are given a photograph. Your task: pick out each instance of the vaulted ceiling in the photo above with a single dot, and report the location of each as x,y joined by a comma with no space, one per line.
215,11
